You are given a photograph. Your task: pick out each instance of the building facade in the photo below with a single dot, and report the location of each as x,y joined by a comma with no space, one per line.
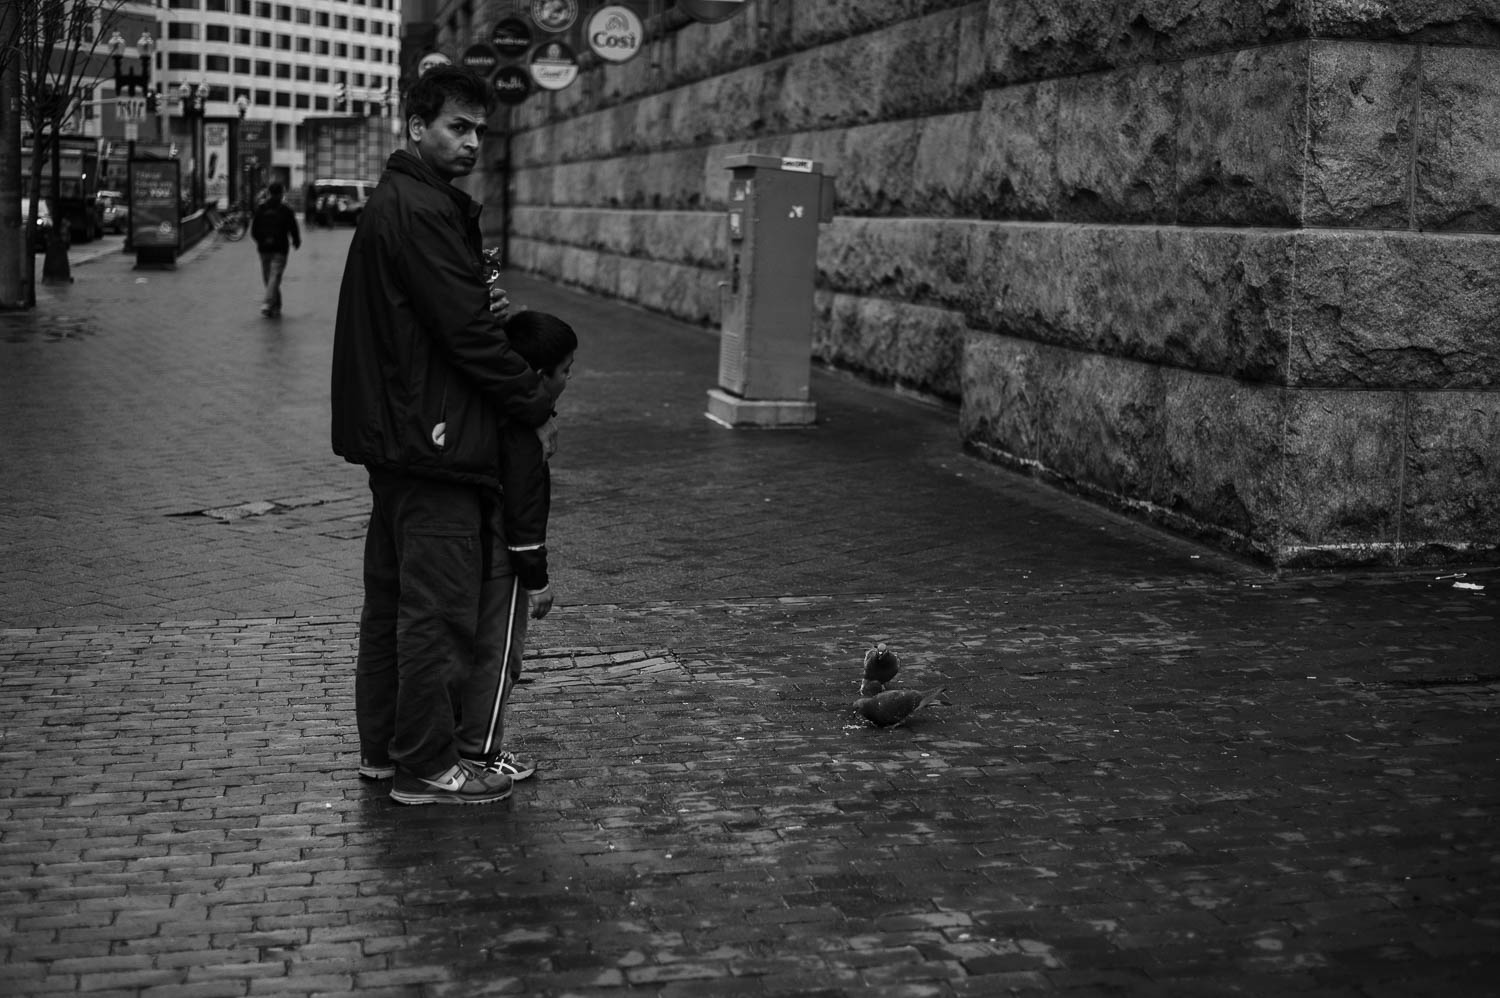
277,62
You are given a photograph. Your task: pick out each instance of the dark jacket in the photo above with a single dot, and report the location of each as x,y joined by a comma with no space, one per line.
422,373
526,502
274,228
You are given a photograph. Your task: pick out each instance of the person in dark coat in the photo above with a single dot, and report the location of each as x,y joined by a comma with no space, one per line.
274,229
423,380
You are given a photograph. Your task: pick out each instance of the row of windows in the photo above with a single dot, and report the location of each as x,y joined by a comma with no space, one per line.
260,8
281,71
189,31
191,60
282,98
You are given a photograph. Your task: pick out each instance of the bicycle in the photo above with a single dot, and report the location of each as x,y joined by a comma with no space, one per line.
231,225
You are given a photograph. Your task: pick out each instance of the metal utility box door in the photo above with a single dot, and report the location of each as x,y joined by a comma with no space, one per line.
775,205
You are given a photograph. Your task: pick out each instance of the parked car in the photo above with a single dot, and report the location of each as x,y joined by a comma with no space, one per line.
36,233
114,213
337,201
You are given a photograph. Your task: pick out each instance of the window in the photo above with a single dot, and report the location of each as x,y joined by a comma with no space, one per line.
182,60
219,5
263,9
218,92
242,36
321,74
179,29
284,42
320,103
304,72
359,52
340,22
304,16
216,63
262,39
304,44
359,24
262,98
358,81
262,67
215,32
283,99
283,71
183,4
283,12
242,66
322,19
322,46
303,101
341,50
242,7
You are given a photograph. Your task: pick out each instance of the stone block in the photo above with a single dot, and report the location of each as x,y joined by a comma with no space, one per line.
1458,168
1452,476
1449,22
1243,137
1213,300
1040,39
1356,170
1388,310
1341,488
1221,470
1099,421
922,261
997,414
891,342
942,167
876,168
1015,160
816,22
1116,145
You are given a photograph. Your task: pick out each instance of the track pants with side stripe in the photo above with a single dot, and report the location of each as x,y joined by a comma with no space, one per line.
498,644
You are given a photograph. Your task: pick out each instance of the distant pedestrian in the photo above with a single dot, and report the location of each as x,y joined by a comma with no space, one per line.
422,376
274,229
515,577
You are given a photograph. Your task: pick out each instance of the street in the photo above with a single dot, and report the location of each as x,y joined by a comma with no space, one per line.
1158,770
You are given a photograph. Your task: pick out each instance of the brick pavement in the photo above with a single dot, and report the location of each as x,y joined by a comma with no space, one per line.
1160,771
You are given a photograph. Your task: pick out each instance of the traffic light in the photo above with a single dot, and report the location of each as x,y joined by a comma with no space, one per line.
340,94
151,100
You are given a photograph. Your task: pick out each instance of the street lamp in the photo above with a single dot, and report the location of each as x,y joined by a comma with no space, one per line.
249,165
125,84
193,96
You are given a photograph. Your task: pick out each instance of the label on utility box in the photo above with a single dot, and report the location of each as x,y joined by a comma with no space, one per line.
797,165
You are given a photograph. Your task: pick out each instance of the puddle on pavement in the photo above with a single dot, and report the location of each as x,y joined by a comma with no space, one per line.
32,326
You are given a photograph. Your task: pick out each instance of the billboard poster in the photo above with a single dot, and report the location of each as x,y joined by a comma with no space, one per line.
155,193
216,163
254,154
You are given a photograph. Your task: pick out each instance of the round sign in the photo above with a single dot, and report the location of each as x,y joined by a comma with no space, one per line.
512,84
615,33
554,15
430,60
711,11
481,59
511,38
554,66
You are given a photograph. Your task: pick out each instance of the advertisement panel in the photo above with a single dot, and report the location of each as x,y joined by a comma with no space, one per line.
216,163
155,197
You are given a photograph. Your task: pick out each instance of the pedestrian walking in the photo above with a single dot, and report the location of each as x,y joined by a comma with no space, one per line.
273,226
422,378
515,578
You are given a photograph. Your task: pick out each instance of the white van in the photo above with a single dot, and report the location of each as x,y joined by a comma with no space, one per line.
336,201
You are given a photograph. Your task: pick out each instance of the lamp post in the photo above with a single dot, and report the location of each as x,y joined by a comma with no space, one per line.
193,96
249,165
125,85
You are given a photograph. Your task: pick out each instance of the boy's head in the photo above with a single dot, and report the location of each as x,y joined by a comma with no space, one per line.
546,343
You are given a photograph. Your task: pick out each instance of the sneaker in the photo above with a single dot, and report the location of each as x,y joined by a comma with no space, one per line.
506,764
372,770
464,783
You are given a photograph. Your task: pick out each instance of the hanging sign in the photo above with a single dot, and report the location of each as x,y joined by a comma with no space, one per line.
430,60
711,11
481,58
512,84
615,33
554,15
554,66
511,38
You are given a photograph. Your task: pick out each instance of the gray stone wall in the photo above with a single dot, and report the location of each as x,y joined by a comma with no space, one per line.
1231,265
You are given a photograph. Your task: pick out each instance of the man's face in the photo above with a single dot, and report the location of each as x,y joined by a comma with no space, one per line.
450,145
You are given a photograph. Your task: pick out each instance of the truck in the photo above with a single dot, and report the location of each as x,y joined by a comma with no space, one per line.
344,153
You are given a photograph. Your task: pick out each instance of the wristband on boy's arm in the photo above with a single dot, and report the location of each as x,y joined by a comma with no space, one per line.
534,593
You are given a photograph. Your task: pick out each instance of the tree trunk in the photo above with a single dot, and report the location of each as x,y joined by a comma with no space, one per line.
55,268
15,251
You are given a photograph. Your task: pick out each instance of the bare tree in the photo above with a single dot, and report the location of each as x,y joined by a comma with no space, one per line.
56,45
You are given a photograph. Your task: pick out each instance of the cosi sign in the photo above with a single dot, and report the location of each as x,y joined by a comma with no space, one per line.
615,33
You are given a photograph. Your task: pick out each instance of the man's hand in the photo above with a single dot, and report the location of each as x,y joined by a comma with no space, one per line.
541,603
547,434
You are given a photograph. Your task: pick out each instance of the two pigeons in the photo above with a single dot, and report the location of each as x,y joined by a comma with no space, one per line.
883,707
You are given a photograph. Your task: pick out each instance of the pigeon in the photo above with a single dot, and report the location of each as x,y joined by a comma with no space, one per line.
881,664
888,708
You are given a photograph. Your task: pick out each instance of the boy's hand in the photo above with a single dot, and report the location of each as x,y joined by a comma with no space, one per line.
541,604
547,434
499,300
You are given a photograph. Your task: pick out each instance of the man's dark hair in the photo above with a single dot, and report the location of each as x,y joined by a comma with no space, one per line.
541,338
427,96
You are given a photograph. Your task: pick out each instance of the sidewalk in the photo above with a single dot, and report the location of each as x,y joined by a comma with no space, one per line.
1160,771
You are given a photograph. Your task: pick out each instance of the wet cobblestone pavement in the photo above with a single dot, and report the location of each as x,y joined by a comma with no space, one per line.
1158,771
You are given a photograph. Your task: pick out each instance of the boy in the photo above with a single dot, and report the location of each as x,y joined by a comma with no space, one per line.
515,556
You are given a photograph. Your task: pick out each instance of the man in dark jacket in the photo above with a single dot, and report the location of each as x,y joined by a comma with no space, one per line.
274,229
422,379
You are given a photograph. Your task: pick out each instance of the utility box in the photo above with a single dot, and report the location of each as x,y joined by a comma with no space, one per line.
765,345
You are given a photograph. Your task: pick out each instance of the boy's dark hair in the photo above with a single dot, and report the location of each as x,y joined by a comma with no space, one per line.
432,89
542,339
275,189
